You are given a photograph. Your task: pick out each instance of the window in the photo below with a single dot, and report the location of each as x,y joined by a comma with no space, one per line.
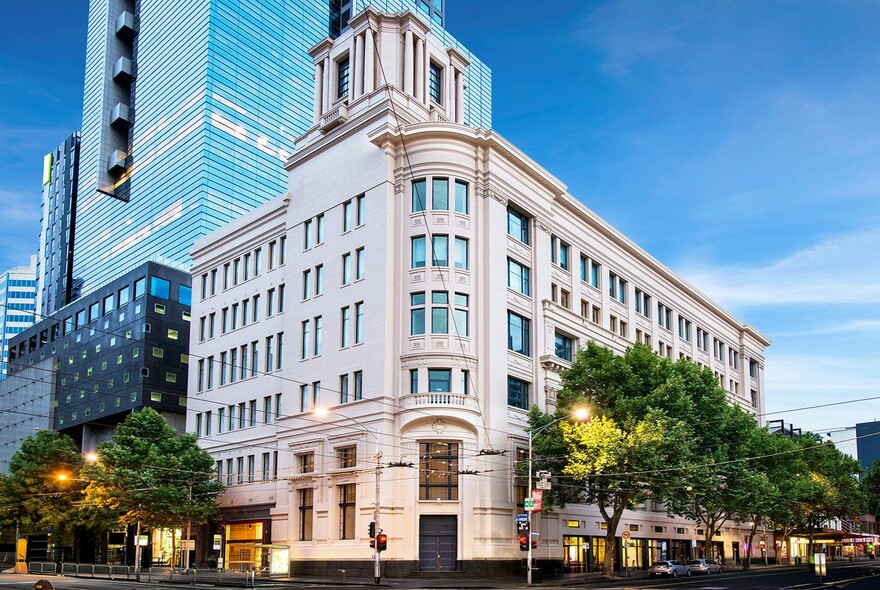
140,288
438,471
518,333
440,194
281,298
718,349
361,202
461,197
342,78
267,409
304,398
347,208
236,266
346,457
440,250
439,312
664,316
517,225
435,83
319,331
307,284
305,339
753,369
617,287
461,253
344,326
358,377
359,322
319,280
418,195
359,263
346,268
306,509
277,406
559,252
643,303
417,313
252,415
250,468
702,339
270,353
517,276
282,250
439,380
255,356
319,237
347,493
733,358
418,252
247,267
413,380
460,314
306,462
343,389
684,329
465,382
563,346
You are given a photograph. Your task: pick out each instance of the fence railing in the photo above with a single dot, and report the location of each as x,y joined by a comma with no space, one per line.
154,574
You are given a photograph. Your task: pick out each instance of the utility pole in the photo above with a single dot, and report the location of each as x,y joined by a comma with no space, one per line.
377,575
188,521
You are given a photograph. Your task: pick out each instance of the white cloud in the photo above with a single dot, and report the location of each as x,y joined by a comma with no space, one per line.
840,269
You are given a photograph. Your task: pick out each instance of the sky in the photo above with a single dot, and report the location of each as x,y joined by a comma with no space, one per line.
737,141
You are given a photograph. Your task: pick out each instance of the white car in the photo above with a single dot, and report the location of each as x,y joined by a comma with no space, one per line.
704,566
669,568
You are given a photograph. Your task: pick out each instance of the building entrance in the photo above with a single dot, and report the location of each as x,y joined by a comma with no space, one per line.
438,543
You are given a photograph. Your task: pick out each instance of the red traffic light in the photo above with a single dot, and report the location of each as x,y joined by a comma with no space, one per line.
523,542
381,541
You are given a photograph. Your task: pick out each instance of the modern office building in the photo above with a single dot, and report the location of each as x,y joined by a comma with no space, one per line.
57,286
115,350
18,296
425,282
190,110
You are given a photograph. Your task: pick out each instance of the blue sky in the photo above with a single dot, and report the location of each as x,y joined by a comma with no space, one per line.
737,141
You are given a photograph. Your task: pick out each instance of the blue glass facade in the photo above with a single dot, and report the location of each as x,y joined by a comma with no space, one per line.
217,93
18,296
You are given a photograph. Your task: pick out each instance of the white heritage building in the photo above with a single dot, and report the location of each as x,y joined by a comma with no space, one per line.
425,282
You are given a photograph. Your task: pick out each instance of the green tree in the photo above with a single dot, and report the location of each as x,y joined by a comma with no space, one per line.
152,477
613,459
870,488
32,496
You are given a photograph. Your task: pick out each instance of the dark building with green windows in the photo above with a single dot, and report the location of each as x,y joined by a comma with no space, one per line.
118,349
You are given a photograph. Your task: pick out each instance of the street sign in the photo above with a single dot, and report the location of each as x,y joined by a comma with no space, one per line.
538,500
625,535
521,517
543,484
528,504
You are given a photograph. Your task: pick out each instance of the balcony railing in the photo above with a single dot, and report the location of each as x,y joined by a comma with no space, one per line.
439,399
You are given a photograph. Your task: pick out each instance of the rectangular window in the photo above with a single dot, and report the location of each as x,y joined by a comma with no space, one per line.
247,267
518,338
517,276
252,412
221,420
281,298
517,393
277,406
267,409
418,195
346,268
306,341
684,329
435,83
240,469
282,250
345,327
461,253
417,313
307,284
559,251
319,280
643,303
439,312
753,369
208,423
244,362
460,314
702,339
251,468
306,510
440,250
617,287
342,78
359,322
440,194
319,229
347,209
563,347
319,331
413,380
361,202
343,389
236,267
517,225
438,471
266,464
160,288
358,377
359,263
461,197
279,357
347,494
439,380
418,252
304,397
664,316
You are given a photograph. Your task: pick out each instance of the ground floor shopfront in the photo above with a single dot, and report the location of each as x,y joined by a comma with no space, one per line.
587,553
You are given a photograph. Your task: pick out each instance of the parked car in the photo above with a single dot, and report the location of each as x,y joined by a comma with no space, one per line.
704,566
669,568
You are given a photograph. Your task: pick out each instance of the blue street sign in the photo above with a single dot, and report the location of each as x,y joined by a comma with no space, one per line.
522,517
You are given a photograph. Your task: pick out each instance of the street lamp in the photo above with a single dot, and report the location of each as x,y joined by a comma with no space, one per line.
322,412
579,414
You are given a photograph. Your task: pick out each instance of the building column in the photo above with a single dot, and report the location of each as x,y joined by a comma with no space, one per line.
408,63
459,96
328,73
357,64
369,60
319,90
449,91
420,70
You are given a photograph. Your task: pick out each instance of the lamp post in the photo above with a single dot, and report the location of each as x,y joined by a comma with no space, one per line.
377,575
580,415
188,521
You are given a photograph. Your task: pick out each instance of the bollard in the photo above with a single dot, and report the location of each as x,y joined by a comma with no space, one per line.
44,585
343,575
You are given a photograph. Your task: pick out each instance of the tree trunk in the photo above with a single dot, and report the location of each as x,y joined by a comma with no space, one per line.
748,562
611,522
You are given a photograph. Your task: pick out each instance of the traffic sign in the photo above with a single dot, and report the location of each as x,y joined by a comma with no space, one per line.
543,484
528,503
521,517
625,535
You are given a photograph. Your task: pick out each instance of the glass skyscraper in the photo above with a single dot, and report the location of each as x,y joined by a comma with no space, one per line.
190,110
18,294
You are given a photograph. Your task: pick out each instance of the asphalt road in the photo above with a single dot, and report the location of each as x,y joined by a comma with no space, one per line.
851,576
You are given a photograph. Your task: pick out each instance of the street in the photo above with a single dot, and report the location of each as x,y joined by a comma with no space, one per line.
863,575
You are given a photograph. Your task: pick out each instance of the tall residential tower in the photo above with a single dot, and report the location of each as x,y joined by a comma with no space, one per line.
18,293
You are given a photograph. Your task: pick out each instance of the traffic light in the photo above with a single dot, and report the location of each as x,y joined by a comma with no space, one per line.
534,542
381,541
372,530
523,542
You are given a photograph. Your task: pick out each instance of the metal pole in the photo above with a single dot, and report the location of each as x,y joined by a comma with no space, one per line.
766,546
188,521
137,552
529,512
377,576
